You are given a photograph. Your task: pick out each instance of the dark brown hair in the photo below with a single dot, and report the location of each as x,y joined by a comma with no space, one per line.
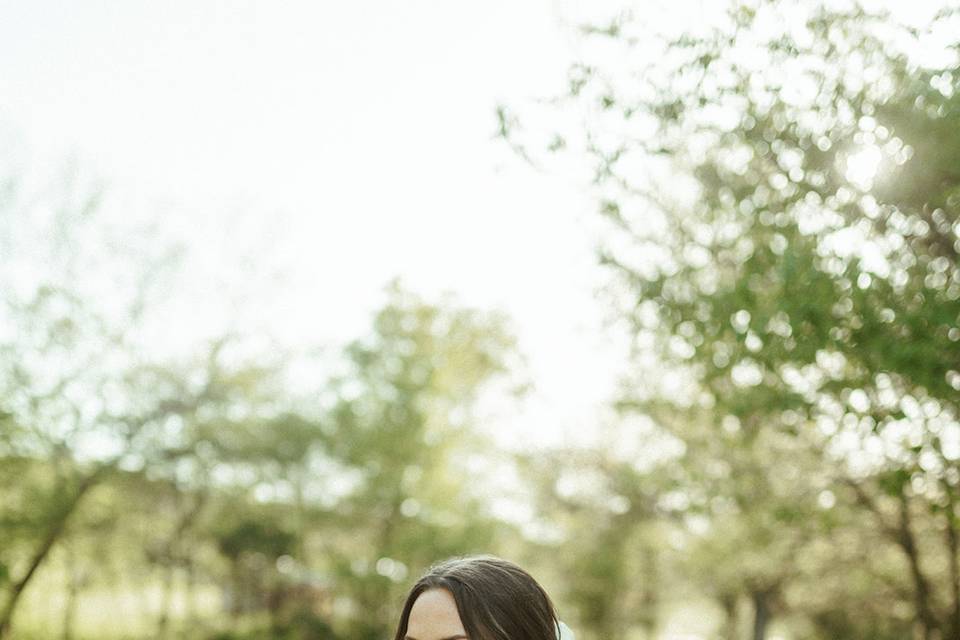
496,599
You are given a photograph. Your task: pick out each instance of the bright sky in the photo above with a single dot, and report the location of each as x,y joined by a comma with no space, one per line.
344,143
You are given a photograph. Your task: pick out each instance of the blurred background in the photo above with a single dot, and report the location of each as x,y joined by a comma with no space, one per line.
660,300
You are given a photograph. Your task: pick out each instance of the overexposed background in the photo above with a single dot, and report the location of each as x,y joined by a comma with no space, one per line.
319,150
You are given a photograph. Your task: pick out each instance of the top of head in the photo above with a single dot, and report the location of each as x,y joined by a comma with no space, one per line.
494,599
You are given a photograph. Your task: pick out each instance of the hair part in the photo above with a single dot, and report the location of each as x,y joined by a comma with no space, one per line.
496,599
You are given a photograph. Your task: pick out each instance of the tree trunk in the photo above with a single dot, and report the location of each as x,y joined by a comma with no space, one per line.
761,614
54,531
902,534
921,586
953,547
191,586
166,601
73,591
171,556
301,516
728,601
648,592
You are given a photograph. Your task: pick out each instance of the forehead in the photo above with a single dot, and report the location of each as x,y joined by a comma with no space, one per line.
434,616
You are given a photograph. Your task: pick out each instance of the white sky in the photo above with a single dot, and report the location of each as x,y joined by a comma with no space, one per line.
355,136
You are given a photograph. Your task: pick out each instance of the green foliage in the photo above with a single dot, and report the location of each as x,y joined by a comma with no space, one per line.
257,538
783,233
402,420
308,516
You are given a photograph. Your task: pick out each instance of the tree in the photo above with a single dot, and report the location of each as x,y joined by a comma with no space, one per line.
609,525
401,426
82,395
783,207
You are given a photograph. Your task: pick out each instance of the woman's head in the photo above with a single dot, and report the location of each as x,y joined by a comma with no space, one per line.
477,598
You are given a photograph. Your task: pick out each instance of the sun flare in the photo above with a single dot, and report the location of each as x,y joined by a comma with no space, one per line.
863,165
